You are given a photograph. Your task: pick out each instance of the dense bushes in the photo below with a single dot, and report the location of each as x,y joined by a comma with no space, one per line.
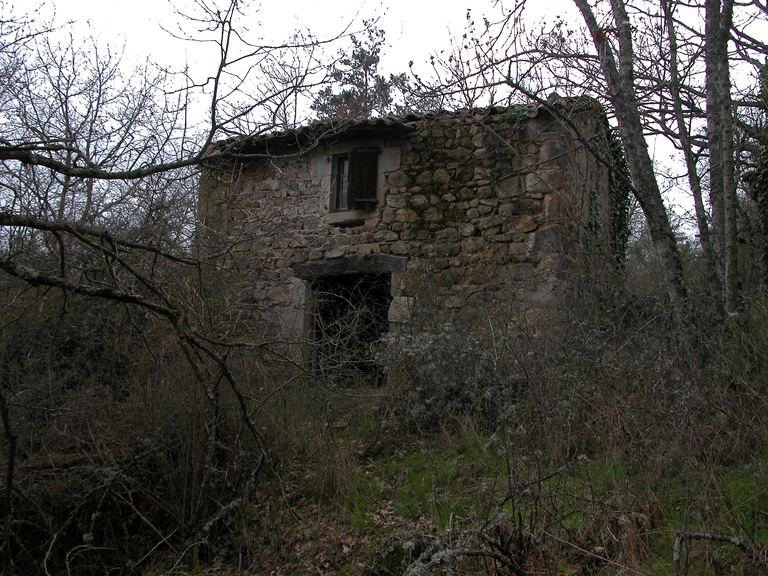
580,439
120,452
616,439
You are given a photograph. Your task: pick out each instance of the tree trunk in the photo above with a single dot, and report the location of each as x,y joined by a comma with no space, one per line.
7,505
621,92
694,181
722,190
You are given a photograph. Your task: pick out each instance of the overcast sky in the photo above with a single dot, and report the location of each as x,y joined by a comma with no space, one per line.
414,28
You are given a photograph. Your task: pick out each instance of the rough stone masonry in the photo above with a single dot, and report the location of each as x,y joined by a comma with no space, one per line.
462,210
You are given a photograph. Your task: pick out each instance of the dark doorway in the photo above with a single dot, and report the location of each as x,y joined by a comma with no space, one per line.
350,315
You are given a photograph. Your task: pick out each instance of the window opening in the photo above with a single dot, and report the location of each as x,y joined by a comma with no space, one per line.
355,178
350,316
342,183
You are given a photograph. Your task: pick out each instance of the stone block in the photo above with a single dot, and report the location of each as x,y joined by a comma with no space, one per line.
453,276
433,215
551,151
523,224
495,238
300,256
388,215
406,215
544,181
389,159
518,272
473,244
424,177
542,294
337,252
384,236
475,279
529,206
441,176
458,153
400,309
397,201
507,209
508,187
517,248
398,179
400,248
489,221
548,239
553,208
481,173
279,242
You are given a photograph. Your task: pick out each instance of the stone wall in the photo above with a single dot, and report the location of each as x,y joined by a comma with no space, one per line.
472,209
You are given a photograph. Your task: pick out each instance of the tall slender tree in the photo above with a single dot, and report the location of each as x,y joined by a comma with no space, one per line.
722,183
620,82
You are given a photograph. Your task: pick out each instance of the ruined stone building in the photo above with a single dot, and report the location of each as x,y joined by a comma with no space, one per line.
443,213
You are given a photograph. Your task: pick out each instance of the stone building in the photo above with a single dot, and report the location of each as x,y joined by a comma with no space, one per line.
443,213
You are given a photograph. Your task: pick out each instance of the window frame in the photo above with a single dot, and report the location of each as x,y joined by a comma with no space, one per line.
355,180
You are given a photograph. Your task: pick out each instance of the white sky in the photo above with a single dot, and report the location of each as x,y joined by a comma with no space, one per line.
412,28
415,28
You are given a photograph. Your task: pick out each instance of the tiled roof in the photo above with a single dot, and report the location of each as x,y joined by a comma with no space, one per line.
324,130
394,121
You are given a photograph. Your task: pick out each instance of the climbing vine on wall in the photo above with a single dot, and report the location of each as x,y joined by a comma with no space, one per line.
594,219
620,188
759,177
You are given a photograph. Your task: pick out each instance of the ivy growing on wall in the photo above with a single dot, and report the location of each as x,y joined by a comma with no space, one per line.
759,177
594,219
620,193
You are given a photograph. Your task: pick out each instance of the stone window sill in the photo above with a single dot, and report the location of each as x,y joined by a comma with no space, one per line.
349,217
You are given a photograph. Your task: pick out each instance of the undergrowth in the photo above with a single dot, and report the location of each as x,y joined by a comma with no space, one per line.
494,447
594,450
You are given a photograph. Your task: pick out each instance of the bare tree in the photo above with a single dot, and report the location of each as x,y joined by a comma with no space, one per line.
682,120
619,79
722,192
98,188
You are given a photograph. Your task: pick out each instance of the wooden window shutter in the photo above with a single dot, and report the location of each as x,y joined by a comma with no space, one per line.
363,173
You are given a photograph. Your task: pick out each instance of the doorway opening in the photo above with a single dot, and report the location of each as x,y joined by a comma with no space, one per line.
350,313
